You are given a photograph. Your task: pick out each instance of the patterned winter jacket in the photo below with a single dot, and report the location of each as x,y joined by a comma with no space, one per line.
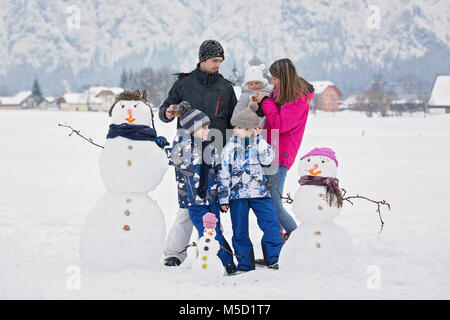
241,173
186,156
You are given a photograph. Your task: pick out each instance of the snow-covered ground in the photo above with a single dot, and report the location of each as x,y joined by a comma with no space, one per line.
49,182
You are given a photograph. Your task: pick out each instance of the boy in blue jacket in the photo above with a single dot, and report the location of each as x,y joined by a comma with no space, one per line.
197,164
243,186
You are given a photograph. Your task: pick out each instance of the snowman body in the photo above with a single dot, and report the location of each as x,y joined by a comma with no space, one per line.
207,267
131,166
318,245
126,228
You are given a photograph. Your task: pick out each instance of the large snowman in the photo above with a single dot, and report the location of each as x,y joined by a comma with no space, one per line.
126,228
207,267
318,245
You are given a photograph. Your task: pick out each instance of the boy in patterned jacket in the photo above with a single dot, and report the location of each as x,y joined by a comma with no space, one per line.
196,163
242,186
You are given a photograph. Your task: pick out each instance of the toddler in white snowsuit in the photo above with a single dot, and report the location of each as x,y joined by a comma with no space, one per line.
254,82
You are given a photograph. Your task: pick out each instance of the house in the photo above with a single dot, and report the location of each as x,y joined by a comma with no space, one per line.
49,103
326,96
440,95
106,94
79,102
23,99
92,99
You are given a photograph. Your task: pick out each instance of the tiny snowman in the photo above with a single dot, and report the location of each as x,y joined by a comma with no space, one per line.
318,245
126,228
207,267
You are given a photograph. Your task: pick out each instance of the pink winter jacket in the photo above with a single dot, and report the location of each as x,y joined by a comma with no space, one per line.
290,120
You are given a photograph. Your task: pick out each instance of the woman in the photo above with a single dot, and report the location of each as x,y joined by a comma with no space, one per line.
286,110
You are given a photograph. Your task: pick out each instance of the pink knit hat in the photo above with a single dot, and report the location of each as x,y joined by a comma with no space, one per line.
325,152
210,221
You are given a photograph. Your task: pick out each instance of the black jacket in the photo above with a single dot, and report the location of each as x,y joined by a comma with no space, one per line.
208,92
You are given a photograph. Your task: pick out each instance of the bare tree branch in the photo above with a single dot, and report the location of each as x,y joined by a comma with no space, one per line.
79,134
288,199
378,203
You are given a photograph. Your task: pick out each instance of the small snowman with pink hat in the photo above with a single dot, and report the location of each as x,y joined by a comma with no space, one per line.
207,267
318,245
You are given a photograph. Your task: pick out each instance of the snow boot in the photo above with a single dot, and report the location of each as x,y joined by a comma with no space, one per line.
231,269
260,262
172,262
285,236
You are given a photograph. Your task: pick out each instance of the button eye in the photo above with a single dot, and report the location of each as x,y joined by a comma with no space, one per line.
123,106
323,161
135,106
309,160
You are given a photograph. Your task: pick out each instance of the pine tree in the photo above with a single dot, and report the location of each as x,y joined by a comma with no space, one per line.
124,79
255,61
36,92
236,76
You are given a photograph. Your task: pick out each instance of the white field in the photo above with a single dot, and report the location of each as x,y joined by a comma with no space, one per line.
49,182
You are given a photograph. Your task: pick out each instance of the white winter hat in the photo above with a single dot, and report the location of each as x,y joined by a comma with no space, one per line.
254,73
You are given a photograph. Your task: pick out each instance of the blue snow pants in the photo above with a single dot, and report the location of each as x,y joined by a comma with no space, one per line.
267,221
196,213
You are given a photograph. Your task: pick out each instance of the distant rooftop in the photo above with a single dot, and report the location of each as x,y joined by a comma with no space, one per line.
319,86
440,95
81,98
17,99
94,91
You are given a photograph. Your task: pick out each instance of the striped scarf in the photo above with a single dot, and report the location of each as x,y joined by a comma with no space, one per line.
332,185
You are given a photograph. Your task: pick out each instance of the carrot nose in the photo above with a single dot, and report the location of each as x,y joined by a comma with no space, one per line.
313,172
130,116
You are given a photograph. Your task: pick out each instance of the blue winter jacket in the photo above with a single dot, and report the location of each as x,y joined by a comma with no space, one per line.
241,172
186,155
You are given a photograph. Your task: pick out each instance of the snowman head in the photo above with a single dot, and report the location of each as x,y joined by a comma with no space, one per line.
209,233
132,108
320,162
209,223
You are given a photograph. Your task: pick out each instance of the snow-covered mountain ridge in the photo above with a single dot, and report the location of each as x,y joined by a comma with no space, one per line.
68,44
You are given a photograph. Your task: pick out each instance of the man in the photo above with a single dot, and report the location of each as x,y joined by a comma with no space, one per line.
208,91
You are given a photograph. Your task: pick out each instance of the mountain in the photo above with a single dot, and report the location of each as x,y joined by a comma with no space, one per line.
68,45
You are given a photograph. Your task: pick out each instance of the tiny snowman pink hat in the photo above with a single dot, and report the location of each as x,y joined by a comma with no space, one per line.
209,221
324,152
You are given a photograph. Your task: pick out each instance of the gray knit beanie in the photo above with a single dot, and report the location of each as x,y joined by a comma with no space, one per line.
247,117
210,49
192,119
